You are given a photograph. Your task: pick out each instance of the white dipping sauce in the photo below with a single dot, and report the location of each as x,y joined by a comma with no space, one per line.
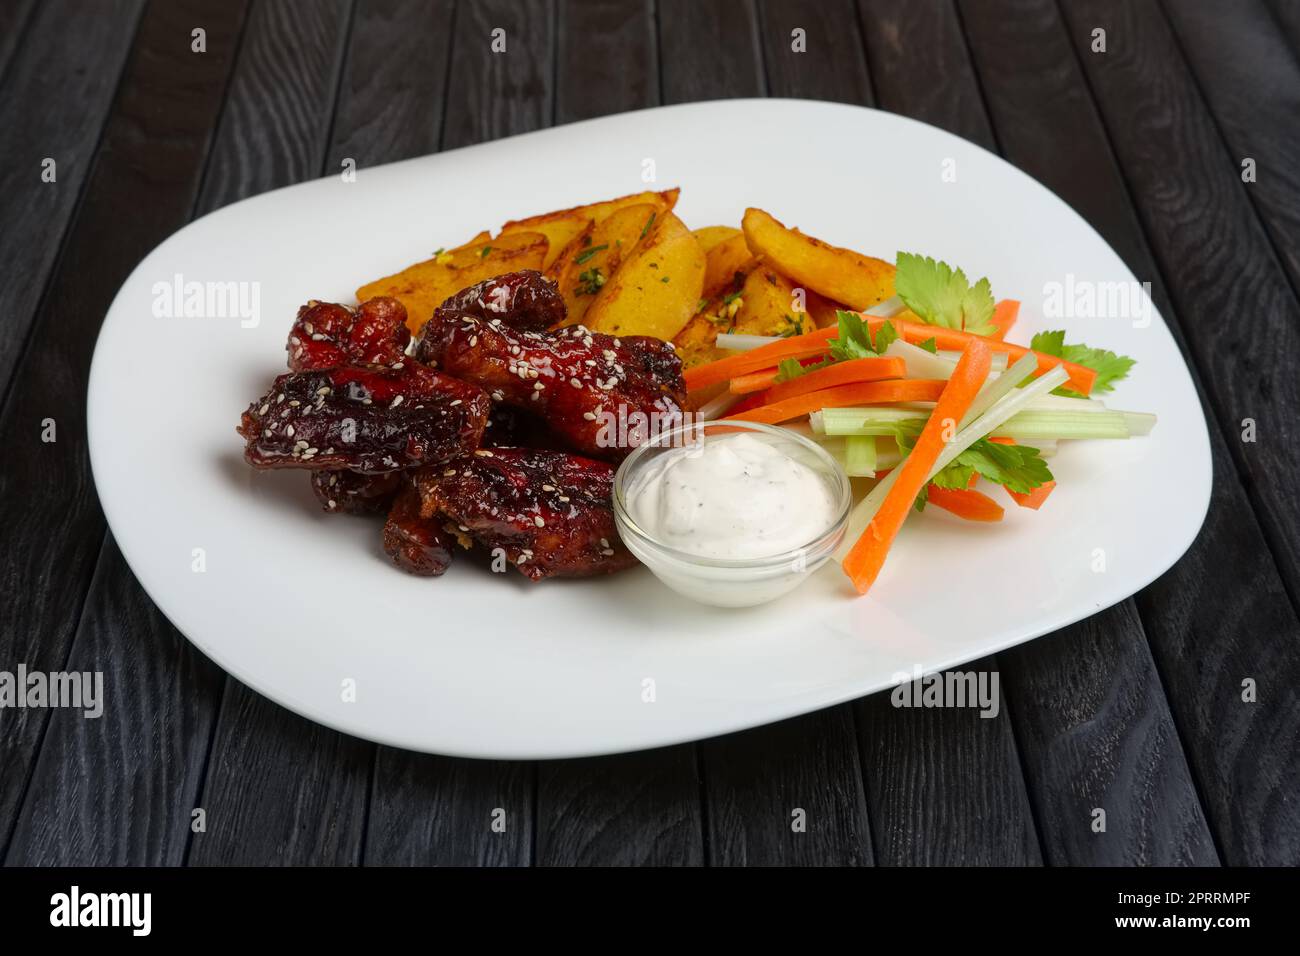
732,497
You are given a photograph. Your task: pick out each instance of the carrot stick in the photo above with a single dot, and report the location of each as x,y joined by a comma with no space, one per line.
752,382
755,360
1035,498
812,344
867,556
843,396
1004,316
841,373
971,505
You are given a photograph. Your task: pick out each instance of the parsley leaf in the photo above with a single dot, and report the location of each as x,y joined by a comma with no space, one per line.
1019,468
854,340
940,295
930,345
787,369
1110,368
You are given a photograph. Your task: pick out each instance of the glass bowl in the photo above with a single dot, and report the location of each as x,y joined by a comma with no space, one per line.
726,582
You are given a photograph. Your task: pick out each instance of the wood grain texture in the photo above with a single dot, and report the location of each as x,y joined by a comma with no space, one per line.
1287,14
391,98
1250,78
16,15
275,128
495,94
118,790
1212,249
831,64
57,92
1096,734
942,786
142,187
444,811
788,794
1122,731
620,811
707,50
606,60
279,788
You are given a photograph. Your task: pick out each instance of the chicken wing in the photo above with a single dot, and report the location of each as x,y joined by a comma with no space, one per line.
524,300
364,417
549,512
416,544
327,335
602,395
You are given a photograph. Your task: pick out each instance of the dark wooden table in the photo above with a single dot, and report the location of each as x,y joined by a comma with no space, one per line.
1138,711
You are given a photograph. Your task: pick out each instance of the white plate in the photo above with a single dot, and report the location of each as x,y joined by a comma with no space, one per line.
296,603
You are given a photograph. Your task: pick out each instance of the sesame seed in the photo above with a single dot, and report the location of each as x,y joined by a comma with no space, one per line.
289,431
396,401
548,487
264,409
575,383
539,522
449,472
455,402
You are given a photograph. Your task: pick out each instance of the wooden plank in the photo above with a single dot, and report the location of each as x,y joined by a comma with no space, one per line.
1049,126
391,98
424,810
1116,733
279,788
57,92
141,189
445,811
942,785
606,59
640,807
789,794
627,810
1250,78
1240,315
707,51
118,790
495,94
824,62
16,15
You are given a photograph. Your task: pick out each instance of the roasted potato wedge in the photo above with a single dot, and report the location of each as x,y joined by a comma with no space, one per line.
562,226
841,275
768,305
590,260
695,343
481,238
657,287
424,286
710,236
725,261
822,309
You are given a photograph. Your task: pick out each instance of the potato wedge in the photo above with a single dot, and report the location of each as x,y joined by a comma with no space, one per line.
563,225
725,261
657,288
481,238
424,286
590,260
841,275
695,343
823,309
768,305
710,236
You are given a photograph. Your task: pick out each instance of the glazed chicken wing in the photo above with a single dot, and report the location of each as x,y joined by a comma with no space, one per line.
524,300
416,544
549,511
364,417
601,395
327,335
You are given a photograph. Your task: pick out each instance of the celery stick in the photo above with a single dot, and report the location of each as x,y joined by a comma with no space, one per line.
890,307
1030,424
920,363
1003,409
860,456
735,342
